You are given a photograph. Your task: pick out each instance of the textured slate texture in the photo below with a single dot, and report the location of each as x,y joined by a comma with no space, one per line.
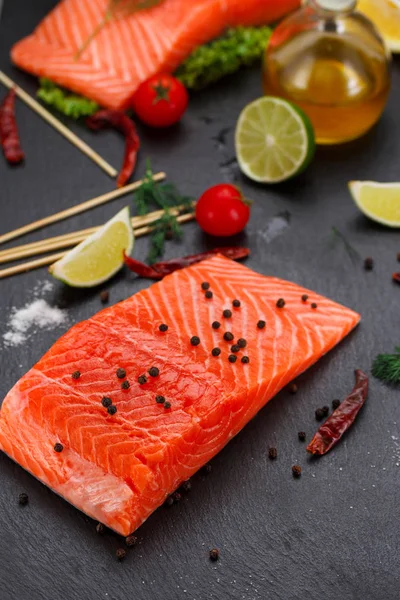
333,533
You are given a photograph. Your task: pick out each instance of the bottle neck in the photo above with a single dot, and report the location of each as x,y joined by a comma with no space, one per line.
334,7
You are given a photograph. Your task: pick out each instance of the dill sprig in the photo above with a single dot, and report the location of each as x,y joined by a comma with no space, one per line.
165,196
386,367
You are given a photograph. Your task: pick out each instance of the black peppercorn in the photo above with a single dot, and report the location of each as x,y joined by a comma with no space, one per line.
228,336
236,303
242,343
186,486
120,553
227,314
368,264
58,447
167,404
314,305
142,379
154,372
23,499
235,348
208,295
121,373
104,296
216,325
205,285
160,399
296,470
214,554
112,409
232,358
194,340
100,528
302,436
163,327
325,410
293,388
280,303
106,402
245,360
261,324
335,404
169,502
216,351
125,385
272,453
76,375
319,414
131,540
304,298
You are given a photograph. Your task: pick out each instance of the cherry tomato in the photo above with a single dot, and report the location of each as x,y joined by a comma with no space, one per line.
222,210
160,101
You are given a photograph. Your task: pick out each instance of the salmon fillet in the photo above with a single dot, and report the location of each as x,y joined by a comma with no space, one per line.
119,468
128,50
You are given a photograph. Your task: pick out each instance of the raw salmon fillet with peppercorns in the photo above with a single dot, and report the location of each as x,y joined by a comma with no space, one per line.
129,49
118,468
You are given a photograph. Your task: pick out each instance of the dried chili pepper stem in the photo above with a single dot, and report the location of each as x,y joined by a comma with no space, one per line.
8,130
341,419
120,121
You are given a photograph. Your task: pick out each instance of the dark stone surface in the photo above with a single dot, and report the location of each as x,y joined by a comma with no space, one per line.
332,534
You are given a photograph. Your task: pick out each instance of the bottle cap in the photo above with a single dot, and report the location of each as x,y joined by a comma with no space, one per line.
336,5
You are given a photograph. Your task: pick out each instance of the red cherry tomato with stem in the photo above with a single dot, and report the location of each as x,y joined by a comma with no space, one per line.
160,101
222,210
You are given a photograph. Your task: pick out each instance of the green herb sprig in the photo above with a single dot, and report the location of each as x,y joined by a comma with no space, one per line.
165,196
241,46
71,105
386,367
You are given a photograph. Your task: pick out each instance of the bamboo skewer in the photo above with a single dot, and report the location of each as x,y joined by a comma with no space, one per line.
75,210
60,127
48,260
70,239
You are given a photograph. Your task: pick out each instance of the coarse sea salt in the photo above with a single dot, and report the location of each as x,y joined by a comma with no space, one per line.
26,320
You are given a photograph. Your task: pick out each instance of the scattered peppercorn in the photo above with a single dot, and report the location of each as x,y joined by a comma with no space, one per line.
319,414
167,405
58,447
245,360
125,385
142,379
216,351
106,402
112,409
280,303
235,348
131,540
169,502
227,313
232,358
104,296
207,469
398,256
194,340
216,325
293,388
304,298
160,399
177,496
100,528
368,264
76,375
302,436
186,486
261,324
242,343
236,303
154,372
314,305
214,554
325,410
121,553
272,453
228,336
205,285
121,373
23,499
163,327
296,470
208,295
335,404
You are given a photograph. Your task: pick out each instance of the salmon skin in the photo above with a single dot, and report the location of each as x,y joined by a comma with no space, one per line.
130,49
118,468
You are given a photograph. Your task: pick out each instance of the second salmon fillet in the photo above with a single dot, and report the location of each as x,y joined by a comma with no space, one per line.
177,403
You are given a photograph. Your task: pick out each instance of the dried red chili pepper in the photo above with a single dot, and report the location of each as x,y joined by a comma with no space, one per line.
9,131
161,269
396,277
117,119
341,419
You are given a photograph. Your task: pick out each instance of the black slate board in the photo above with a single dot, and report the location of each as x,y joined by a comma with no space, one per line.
333,534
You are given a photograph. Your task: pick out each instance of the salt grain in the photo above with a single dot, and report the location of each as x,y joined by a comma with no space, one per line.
36,315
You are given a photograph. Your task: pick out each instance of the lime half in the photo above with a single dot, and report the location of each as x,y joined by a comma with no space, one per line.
274,140
100,256
378,201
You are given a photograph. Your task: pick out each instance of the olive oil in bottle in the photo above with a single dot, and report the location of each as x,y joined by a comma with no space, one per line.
331,61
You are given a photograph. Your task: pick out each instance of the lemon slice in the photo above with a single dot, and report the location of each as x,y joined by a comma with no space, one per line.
274,140
378,201
386,16
100,256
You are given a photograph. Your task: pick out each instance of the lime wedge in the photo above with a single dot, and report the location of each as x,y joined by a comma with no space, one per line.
274,140
100,256
378,201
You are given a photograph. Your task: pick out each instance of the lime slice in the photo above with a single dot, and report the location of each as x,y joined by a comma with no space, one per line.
100,256
378,201
274,140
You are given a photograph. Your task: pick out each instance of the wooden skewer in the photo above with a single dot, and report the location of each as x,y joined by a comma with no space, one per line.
75,210
60,127
70,239
48,260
